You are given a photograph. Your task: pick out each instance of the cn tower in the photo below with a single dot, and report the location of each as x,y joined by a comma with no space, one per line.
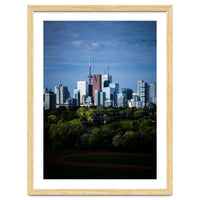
89,80
90,76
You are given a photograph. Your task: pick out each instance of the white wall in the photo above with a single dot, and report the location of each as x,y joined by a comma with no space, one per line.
13,148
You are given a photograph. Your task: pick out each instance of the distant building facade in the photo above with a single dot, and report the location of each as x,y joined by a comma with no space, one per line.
62,94
97,98
49,100
115,86
102,98
152,92
127,92
96,78
143,92
121,100
106,80
109,103
77,96
109,93
89,100
82,86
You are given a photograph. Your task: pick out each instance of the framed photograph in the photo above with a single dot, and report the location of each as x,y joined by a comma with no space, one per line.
100,100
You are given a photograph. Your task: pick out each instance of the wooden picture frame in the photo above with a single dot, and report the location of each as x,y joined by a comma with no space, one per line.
30,95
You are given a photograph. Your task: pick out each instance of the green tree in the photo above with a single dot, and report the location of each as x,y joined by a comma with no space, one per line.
94,140
148,127
117,141
52,119
129,140
54,136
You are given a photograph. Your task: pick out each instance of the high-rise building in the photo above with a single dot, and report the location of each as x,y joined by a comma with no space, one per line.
62,94
143,92
96,78
109,93
127,92
70,102
136,97
102,98
45,90
109,103
115,86
106,80
152,93
97,98
83,99
49,100
77,97
89,81
121,100
83,87
89,100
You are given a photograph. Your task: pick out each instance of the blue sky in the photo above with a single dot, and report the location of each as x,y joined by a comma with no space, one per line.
128,48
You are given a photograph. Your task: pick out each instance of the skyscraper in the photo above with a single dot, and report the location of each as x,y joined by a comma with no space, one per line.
62,93
106,80
115,86
97,98
109,103
83,87
109,93
77,96
96,79
121,100
152,93
102,98
49,100
143,92
127,92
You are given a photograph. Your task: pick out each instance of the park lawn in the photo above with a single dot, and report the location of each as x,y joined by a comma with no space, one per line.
64,152
126,124
77,172
116,159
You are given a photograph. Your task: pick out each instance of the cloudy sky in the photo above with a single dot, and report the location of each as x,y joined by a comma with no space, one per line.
128,48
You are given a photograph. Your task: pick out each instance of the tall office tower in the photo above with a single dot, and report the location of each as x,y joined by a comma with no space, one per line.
102,98
127,92
89,81
96,79
97,98
106,80
115,86
143,92
131,103
152,92
136,97
109,103
109,93
77,97
89,101
62,93
45,90
49,100
83,87
121,100
83,99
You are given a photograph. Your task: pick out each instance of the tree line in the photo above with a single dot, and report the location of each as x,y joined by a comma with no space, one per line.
115,129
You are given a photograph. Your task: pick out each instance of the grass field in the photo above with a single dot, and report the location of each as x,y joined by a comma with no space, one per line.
116,159
76,172
70,167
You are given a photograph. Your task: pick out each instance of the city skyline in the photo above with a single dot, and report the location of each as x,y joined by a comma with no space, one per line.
127,48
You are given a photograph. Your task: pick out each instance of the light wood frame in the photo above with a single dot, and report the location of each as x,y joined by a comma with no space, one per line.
30,115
